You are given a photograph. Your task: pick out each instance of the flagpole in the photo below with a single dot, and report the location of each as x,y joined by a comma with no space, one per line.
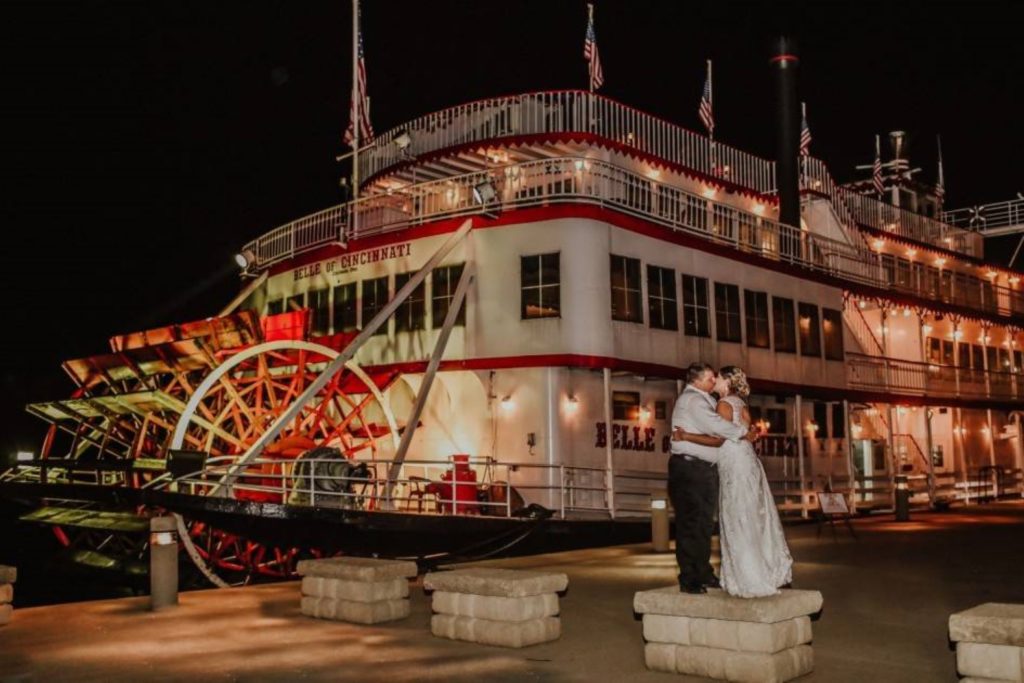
356,121
590,66
942,176
878,163
711,133
803,157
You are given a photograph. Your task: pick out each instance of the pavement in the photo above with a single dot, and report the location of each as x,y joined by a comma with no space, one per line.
888,596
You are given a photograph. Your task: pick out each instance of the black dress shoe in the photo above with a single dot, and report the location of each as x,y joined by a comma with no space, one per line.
713,582
692,588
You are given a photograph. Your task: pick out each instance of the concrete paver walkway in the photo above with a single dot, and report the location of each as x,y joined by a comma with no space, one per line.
887,600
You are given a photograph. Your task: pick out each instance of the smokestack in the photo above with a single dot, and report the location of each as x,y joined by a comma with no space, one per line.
787,169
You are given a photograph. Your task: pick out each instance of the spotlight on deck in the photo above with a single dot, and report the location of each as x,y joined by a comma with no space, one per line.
484,193
402,140
25,456
246,259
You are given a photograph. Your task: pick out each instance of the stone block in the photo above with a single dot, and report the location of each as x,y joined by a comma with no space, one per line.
660,657
8,574
5,614
6,593
993,623
717,604
981,660
357,568
496,608
500,633
505,583
355,591
355,612
730,665
728,635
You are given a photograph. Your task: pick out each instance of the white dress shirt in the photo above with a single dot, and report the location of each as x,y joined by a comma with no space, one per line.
695,413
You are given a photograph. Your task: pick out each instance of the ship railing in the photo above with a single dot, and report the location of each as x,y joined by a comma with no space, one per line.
578,180
897,221
914,378
500,490
566,111
987,217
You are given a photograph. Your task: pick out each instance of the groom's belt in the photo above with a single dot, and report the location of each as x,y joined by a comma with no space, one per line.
690,458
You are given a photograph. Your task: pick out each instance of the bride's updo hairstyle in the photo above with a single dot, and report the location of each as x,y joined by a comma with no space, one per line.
737,380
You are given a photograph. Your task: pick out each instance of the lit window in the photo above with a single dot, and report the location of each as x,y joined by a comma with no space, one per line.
540,288
810,330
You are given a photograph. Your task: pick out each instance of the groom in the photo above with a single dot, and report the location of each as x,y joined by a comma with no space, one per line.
693,477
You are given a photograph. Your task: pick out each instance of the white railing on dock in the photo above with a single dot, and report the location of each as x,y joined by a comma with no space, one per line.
567,111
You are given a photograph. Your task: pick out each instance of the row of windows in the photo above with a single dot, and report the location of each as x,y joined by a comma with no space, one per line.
781,322
338,309
943,351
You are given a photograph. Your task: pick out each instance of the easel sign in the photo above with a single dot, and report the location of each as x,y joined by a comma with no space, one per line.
832,506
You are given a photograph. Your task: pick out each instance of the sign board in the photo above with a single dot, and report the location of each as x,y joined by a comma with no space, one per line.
833,504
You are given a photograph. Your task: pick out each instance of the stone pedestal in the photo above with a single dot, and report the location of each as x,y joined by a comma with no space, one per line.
749,640
8,575
355,589
503,607
989,642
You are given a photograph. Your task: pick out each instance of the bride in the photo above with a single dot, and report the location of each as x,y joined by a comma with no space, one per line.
755,557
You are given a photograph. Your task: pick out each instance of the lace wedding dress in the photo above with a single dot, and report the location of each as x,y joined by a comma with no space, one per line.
755,557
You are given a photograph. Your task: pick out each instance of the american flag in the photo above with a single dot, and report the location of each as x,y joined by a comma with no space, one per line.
876,170
365,127
805,136
590,52
707,117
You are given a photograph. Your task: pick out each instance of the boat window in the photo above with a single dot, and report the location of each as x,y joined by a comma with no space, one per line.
696,311
934,350
274,307
625,405
1017,365
993,363
319,304
778,421
411,314
810,330
977,357
661,298
626,289
375,297
838,422
660,410
727,312
296,302
755,308
832,331
443,282
540,291
783,325
345,311
964,355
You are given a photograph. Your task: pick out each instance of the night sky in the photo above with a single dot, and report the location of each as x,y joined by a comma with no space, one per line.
143,143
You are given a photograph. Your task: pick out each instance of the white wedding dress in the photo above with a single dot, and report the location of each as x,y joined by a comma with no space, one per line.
755,557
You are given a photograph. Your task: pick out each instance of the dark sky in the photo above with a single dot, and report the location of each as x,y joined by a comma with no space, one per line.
143,143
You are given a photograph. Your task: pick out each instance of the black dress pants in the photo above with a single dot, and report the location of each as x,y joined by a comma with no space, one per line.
693,489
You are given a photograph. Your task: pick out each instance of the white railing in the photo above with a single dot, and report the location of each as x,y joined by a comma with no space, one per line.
930,379
583,181
576,180
497,489
987,217
861,330
894,220
568,111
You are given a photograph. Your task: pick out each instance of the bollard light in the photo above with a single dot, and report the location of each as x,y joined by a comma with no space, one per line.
902,498
659,523
163,562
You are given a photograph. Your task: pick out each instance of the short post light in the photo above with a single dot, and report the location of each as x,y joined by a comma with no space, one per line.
163,562
902,498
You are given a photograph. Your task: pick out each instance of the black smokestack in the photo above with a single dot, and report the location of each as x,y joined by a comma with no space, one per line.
787,172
